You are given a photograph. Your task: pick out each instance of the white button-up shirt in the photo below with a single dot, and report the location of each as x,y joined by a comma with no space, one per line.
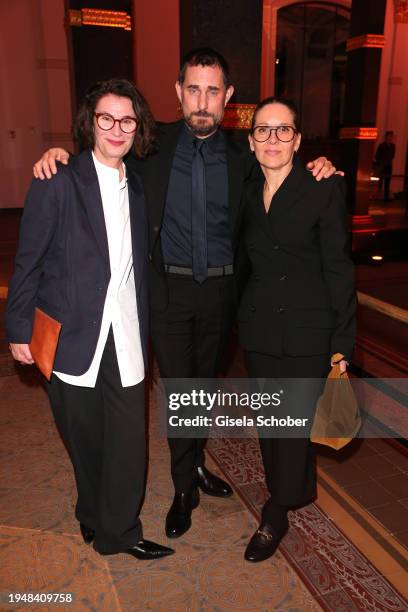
120,309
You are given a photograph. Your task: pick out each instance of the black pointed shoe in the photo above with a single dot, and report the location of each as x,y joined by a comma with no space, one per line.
212,484
146,550
87,533
178,519
264,542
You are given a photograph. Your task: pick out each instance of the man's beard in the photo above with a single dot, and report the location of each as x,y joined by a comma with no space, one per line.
201,128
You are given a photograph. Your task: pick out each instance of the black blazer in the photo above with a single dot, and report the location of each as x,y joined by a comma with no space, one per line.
62,263
300,298
155,171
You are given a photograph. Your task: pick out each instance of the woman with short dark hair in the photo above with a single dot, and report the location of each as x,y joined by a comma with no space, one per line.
82,259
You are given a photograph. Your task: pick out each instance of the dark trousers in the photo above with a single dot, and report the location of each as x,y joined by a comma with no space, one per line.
289,463
188,339
385,178
103,429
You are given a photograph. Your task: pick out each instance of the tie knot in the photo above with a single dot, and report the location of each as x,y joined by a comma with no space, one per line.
198,144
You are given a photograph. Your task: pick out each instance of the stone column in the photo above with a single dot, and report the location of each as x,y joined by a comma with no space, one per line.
362,83
156,54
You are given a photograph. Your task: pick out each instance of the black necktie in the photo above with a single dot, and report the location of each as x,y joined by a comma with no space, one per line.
198,213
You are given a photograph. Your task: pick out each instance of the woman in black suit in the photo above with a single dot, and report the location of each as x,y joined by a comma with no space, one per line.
298,306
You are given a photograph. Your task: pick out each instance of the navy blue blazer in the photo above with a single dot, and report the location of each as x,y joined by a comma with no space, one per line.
62,263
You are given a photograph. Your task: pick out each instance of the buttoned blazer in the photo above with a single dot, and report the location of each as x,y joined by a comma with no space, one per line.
62,263
155,172
300,298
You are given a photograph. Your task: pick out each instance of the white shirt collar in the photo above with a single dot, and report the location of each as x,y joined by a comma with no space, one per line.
109,173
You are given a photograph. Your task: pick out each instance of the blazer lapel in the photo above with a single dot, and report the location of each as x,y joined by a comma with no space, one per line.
256,208
93,202
288,193
138,223
235,183
156,179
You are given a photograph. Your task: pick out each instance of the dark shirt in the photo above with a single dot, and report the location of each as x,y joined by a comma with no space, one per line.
385,153
176,229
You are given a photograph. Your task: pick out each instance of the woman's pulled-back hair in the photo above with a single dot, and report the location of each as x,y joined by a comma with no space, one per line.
276,100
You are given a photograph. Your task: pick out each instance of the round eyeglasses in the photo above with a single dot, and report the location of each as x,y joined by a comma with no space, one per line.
106,122
284,133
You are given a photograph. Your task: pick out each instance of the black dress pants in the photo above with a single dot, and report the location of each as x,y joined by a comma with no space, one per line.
188,340
386,176
289,463
103,429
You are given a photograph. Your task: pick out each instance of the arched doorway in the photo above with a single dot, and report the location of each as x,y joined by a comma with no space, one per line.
304,46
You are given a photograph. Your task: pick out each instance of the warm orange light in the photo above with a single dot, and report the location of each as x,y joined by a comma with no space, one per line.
360,133
238,116
377,257
371,41
99,17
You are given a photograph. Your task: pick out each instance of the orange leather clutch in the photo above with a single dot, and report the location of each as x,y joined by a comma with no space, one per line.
44,341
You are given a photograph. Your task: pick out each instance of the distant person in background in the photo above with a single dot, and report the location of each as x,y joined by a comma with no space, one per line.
383,160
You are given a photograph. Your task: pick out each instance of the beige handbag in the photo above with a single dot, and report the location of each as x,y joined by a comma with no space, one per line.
337,419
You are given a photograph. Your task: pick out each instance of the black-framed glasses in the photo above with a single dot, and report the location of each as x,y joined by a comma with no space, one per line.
284,133
106,122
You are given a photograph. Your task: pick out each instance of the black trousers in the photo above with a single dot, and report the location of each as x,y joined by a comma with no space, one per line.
188,340
289,463
103,429
385,178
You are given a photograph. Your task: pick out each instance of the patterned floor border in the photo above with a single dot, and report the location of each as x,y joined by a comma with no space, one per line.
337,574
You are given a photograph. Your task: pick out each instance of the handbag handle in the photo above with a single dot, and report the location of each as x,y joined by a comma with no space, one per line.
335,371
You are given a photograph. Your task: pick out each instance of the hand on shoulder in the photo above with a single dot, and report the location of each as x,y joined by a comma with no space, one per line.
322,168
46,166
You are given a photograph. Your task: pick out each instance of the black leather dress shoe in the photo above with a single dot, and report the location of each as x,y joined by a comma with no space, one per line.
178,519
88,534
264,542
145,550
211,484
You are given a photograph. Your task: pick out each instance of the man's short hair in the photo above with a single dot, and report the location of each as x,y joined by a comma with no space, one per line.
389,133
204,56
83,128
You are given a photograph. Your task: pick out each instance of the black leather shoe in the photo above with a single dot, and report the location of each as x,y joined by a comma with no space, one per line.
178,519
145,550
211,484
88,534
264,542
